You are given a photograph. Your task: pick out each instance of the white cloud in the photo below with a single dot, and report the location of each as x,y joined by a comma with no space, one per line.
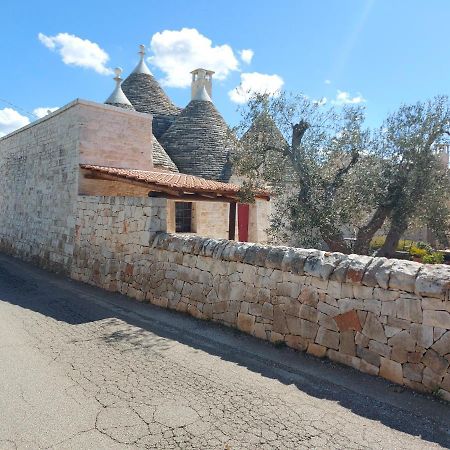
327,81
75,51
177,53
44,110
246,55
10,120
344,98
256,83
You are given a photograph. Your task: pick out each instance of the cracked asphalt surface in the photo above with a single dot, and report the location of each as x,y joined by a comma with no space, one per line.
81,368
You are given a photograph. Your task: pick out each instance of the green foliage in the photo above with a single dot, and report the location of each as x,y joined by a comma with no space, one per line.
328,172
417,252
378,241
433,258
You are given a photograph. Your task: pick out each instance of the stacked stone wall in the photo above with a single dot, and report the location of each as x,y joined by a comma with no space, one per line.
384,317
38,191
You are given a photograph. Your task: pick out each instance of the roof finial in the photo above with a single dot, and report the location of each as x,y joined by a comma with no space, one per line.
118,98
142,50
117,72
142,67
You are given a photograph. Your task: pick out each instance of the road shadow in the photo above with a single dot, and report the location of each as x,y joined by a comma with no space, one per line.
149,326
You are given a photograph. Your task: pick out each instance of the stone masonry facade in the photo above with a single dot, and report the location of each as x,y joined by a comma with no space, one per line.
38,191
384,317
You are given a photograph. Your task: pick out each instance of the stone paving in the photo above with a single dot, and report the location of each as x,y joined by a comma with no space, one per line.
126,386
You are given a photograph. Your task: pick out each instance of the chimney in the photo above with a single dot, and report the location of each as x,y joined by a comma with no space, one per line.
201,78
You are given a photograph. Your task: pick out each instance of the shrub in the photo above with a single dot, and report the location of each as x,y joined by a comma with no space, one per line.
418,252
433,258
378,241
424,246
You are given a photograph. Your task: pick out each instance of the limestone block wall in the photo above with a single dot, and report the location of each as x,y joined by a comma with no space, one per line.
40,176
384,317
112,241
38,189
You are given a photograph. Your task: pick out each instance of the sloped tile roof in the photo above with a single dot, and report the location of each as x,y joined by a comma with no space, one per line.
177,181
199,142
147,96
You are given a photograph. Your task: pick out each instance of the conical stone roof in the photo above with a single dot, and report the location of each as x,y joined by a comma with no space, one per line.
161,159
199,142
147,96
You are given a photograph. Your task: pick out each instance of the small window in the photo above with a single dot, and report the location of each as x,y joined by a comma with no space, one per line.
183,217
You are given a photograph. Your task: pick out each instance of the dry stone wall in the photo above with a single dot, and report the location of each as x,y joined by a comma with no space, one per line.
384,317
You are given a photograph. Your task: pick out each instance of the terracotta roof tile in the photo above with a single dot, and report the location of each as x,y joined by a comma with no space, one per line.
177,181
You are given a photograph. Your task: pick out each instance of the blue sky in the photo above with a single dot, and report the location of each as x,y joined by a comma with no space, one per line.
377,52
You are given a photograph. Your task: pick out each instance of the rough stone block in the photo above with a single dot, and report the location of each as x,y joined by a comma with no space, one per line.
327,338
362,292
347,304
391,331
327,322
246,323
445,395
398,323
308,313
376,271
356,268
341,358
436,304
391,370
334,289
422,334
385,295
431,379
442,345
374,329
255,309
297,342
279,320
368,356
320,266
308,296
361,340
409,309
327,309
433,281
435,362
413,372
365,367
403,340
267,311
381,349
276,337
347,343
403,275
399,354
317,350
440,319
348,321
260,331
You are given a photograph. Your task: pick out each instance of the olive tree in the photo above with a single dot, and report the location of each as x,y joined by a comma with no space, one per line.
331,176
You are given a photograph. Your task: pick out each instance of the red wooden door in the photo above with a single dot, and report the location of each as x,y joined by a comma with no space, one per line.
243,216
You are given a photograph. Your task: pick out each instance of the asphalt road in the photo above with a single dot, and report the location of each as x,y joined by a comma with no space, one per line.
81,368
